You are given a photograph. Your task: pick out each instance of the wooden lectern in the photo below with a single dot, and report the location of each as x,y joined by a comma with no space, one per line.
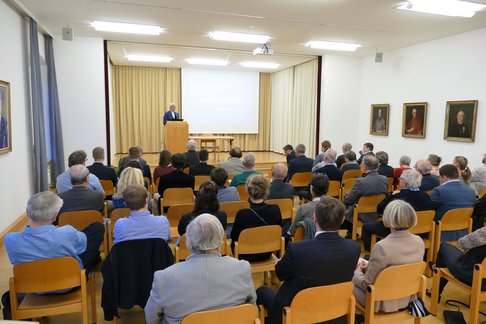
176,135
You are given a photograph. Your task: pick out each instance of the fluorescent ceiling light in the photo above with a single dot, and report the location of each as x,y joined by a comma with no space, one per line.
206,61
336,46
149,58
260,65
239,37
127,28
452,8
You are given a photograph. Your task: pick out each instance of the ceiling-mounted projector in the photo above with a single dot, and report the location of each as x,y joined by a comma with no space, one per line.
263,50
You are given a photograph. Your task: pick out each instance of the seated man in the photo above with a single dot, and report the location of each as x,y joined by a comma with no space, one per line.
134,152
325,260
248,164
63,181
278,188
202,168
219,176
192,157
325,145
204,281
135,161
429,180
234,165
141,224
328,166
384,169
99,169
177,178
340,160
366,151
81,196
404,165
350,162
301,163
289,153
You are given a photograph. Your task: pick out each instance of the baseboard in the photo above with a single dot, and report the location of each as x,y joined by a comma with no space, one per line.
17,226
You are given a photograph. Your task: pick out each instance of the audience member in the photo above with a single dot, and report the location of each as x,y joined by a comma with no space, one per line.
326,260
328,166
384,169
340,160
99,169
144,168
301,163
234,165
248,164
350,162
409,191
206,203
219,176
435,161
259,213
280,189
129,177
141,224
400,247
367,150
204,281
429,180
165,165
289,153
63,181
325,145
177,178
460,162
81,197
478,177
192,157
134,153
202,168
404,165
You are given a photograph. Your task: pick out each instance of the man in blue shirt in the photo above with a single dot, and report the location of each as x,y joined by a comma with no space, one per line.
63,181
141,224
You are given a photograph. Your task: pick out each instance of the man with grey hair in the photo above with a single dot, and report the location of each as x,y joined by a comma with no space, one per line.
301,163
340,160
429,180
63,181
234,165
248,164
404,165
279,189
170,114
212,280
328,166
409,191
192,156
81,197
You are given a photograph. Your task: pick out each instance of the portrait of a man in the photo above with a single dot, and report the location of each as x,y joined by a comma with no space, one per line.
414,119
460,120
5,145
379,119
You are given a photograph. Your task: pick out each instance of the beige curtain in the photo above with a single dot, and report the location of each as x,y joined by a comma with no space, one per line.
141,95
294,107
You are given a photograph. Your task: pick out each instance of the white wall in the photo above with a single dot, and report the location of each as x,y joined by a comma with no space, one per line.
16,167
80,81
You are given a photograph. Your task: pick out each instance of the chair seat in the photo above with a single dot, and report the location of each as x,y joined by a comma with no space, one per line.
265,265
35,301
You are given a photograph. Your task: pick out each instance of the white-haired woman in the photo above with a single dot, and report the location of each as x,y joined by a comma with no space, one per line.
204,281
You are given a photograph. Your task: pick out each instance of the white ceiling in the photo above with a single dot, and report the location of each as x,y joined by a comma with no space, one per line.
375,24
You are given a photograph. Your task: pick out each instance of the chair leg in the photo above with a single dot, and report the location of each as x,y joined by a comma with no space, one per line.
434,299
474,307
92,292
261,314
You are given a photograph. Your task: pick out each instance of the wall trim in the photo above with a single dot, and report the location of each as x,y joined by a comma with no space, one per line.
17,226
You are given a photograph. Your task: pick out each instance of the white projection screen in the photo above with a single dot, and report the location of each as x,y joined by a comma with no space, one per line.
219,101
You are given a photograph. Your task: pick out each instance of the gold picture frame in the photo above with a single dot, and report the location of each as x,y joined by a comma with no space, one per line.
414,119
5,123
379,119
460,121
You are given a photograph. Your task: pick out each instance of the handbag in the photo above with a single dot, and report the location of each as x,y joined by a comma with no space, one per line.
417,308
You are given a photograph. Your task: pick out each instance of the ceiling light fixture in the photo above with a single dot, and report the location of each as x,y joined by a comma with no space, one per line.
335,46
453,8
149,58
126,28
212,62
239,37
260,65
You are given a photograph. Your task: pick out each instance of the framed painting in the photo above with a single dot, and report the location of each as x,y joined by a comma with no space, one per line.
379,119
460,120
5,124
414,119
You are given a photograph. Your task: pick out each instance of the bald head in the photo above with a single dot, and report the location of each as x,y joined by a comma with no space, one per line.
330,156
79,174
279,171
423,166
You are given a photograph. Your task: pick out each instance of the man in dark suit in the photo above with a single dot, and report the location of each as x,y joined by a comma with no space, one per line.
278,188
289,153
325,260
171,114
135,154
203,168
192,156
429,180
301,163
328,166
177,178
367,150
350,162
384,169
99,169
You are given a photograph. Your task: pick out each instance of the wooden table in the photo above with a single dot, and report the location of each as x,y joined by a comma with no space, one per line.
210,142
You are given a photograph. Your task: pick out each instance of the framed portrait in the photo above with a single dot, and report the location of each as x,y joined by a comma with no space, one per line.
460,120
414,119
379,119
5,125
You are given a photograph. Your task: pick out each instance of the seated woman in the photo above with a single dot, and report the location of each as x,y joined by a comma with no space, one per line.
206,203
259,213
399,247
129,176
165,165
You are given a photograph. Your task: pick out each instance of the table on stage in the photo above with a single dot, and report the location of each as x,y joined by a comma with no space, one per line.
209,142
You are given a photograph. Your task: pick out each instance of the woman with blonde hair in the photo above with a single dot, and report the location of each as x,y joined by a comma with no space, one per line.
129,176
461,164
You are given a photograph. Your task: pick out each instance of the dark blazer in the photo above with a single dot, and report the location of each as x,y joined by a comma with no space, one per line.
175,179
451,195
145,169
340,161
168,116
299,164
360,159
187,218
418,199
81,198
201,169
429,182
103,172
370,184
349,166
124,161
291,156
386,170
331,171
280,189
192,158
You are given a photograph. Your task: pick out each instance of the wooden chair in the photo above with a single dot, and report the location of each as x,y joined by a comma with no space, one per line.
80,219
346,186
319,304
301,179
242,192
50,275
452,220
390,184
174,215
387,287
242,314
350,174
186,170
150,187
108,187
116,214
200,179
366,204
175,196
231,208
334,189
182,252
476,295
286,206
428,192
299,234
482,192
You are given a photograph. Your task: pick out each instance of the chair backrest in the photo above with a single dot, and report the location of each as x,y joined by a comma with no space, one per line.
242,192
286,206
116,214
346,186
334,188
390,184
425,222
299,234
367,204
260,239
350,174
108,187
388,287
242,314
175,212
301,179
47,275
457,219
231,208
174,196
199,179
323,303
186,170
80,219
